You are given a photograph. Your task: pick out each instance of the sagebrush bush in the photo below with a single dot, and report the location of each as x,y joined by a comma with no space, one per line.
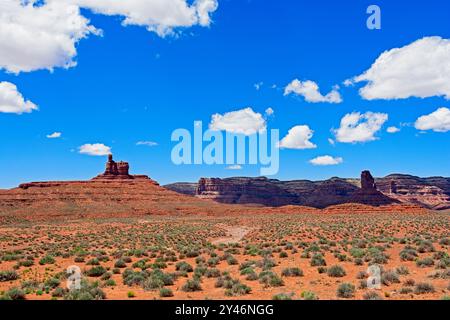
346,290
336,271
191,286
8,275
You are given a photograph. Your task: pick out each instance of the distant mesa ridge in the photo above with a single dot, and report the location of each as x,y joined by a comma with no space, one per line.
431,193
118,193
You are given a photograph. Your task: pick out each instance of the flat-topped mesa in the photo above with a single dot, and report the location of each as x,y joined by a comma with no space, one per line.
118,171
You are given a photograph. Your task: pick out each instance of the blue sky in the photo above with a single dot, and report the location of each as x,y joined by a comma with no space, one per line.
133,85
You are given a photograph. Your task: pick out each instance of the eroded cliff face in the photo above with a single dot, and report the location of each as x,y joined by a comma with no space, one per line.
246,191
433,193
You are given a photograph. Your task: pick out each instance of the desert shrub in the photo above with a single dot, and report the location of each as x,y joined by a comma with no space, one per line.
410,282
270,279
88,291
308,295
425,262
131,277
109,283
96,271
402,270
283,296
292,272
357,252
336,271
247,270
159,264
362,284
423,287
389,277
79,259
440,255
318,260
443,263
8,275
127,259
406,290
305,255
26,263
106,276
283,254
212,273
14,294
11,257
232,260
341,257
444,242
372,295
213,261
238,289
346,290
200,260
165,292
321,270
359,261
192,253
141,264
191,286
361,275
58,292
131,294
200,271
425,246
266,263
93,262
120,263
183,266
252,276
47,260
52,283
153,283
408,254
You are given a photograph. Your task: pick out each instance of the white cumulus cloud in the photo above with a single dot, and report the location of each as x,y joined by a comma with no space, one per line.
160,16
420,69
12,101
326,161
244,121
298,137
43,34
438,121
357,127
234,167
96,149
269,111
54,135
34,37
392,130
310,91
147,143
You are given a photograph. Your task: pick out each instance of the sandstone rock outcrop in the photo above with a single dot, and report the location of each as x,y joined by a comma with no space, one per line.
368,193
117,171
243,190
432,193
